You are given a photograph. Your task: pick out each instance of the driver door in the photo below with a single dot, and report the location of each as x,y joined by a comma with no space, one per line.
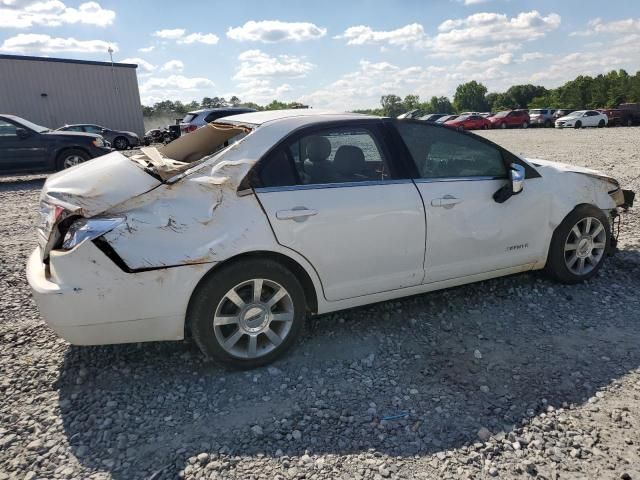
20,152
468,232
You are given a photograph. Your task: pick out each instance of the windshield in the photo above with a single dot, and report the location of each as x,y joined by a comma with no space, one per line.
462,117
579,113
502,114
29,125
189,117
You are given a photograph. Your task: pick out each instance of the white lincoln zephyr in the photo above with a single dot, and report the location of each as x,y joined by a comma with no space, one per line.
233,234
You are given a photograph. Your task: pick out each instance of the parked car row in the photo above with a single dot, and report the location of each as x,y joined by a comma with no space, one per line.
626,114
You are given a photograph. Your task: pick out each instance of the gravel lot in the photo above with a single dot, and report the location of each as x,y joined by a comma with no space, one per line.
517,377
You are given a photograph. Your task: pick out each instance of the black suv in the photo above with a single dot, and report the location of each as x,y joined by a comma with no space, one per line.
27,147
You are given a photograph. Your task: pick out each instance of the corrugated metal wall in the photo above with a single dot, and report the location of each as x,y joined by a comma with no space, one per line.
75,93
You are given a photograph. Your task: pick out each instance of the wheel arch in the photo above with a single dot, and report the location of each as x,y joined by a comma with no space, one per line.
303,276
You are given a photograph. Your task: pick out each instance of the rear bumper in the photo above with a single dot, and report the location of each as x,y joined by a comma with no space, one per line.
88,300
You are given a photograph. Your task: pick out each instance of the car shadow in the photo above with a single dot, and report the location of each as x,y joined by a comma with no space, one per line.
409,377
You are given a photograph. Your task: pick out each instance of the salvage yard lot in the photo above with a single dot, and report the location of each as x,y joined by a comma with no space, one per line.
551,370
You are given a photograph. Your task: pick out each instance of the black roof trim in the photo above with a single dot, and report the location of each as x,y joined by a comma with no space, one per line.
66,60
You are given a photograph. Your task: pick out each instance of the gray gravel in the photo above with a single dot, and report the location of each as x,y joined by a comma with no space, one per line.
517,377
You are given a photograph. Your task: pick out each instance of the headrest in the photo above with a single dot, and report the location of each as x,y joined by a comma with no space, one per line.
318,149
349,160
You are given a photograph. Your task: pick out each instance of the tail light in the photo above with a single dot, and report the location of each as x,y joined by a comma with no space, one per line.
191,128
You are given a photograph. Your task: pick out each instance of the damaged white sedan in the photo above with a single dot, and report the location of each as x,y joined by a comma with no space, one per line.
234,233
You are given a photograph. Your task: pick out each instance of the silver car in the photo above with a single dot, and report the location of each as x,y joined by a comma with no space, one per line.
198,118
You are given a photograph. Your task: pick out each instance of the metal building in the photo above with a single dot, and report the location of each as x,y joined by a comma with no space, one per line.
54,91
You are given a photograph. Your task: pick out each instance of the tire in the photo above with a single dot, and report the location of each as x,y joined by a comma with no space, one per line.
629,122
485,127
461,128
591,246
601,124
503,125
525,124
120,143
70,158
224,308
578,124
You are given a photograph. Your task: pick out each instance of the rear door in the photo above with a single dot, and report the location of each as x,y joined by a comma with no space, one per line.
468,233
335,195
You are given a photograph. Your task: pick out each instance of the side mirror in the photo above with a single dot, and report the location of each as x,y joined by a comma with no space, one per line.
517,174
22,133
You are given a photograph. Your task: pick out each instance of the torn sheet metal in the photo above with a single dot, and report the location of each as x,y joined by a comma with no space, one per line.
97,185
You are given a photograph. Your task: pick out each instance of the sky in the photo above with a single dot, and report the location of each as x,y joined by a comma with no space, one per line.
335,54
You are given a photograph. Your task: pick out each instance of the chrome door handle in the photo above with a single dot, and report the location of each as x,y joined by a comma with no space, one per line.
296,213
448,201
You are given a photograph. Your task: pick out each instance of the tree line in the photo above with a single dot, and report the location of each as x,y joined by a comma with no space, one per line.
602,91
168,108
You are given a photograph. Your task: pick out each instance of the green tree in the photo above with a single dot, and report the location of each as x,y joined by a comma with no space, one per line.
439,105
392,105
470,97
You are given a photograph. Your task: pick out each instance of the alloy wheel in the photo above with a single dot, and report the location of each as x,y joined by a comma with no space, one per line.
253,318
72,160
585,246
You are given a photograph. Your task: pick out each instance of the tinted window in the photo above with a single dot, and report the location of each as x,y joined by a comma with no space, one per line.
189,117
7,129
329,156
93,129
442,153
74,128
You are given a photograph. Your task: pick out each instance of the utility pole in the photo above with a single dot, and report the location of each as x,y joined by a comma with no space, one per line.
113,73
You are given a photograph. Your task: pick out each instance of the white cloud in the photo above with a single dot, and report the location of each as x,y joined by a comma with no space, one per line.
32,43
620,53
257,64
180,36
272,31
484,33
412,34
174,87
146,49
531,56
52,13
142,63
476,35
173,66
170,33
206,38
597,26
260,91
474,2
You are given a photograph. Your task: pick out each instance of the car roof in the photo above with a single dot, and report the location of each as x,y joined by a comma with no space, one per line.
220,109
303,115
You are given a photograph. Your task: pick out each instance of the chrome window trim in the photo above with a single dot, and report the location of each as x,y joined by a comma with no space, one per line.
458,179
319,186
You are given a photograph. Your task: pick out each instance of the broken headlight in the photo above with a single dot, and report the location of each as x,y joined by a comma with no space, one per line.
88,229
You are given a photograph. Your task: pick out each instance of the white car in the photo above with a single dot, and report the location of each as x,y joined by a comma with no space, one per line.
302,213
583,118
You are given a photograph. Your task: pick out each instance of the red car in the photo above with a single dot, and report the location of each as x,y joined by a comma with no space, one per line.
469,122
510,118
617,117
